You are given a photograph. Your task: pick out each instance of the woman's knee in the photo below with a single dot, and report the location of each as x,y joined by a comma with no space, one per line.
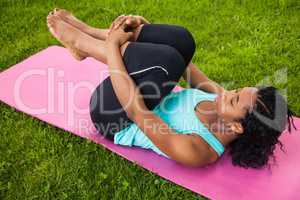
186,42
173,35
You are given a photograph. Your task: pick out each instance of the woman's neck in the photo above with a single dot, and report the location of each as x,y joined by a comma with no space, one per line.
207,115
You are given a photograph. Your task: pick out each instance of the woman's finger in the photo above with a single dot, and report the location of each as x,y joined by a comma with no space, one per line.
119,23
129,21
119,19
129,34
115,21
132,21
110,28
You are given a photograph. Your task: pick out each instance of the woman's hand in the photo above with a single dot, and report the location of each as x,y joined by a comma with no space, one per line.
132,21
118,36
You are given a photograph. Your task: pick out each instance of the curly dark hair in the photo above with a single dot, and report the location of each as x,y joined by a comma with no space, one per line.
262,127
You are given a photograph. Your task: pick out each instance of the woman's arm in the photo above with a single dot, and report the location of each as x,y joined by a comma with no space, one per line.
178,147
198,79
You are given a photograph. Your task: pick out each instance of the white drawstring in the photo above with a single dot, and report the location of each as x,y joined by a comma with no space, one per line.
143,70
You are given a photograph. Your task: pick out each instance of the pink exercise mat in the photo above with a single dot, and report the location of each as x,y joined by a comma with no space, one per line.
55,88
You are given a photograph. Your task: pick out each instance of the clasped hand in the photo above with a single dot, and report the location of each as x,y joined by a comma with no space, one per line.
120,30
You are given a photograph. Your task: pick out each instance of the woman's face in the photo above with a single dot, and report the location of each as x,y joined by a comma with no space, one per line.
234,104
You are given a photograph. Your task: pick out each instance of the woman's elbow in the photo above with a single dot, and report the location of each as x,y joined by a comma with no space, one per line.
130,114
137,113
133,115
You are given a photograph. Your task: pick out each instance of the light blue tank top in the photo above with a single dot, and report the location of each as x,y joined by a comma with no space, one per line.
177,110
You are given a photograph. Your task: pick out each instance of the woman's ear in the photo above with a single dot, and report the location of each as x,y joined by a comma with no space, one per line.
237,127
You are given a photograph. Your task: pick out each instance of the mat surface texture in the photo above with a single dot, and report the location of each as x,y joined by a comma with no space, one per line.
55,88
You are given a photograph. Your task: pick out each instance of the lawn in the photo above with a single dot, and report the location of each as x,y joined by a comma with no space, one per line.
239,43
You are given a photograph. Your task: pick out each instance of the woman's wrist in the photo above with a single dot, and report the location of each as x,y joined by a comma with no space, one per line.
112,44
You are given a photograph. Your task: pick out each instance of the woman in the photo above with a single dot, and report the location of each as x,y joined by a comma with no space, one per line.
135,106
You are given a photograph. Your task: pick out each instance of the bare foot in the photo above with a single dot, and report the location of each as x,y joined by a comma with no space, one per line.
66,34
94,32
71,19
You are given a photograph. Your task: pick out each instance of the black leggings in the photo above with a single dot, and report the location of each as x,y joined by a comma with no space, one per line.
155,61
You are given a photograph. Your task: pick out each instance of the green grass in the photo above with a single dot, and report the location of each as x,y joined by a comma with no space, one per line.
239,43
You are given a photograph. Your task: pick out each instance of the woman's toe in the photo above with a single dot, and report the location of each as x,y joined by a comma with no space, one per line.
50,14
57,12
50,20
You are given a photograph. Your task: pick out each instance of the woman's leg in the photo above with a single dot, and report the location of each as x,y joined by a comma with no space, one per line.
97,33
73,38
68,17
176,36
155,68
